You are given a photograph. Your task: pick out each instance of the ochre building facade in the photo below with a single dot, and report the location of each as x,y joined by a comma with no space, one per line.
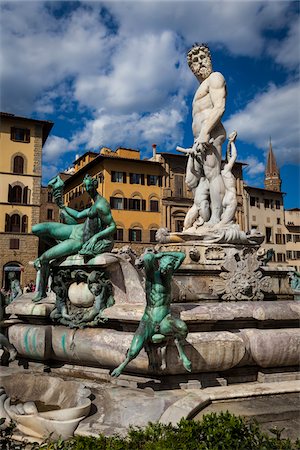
21,143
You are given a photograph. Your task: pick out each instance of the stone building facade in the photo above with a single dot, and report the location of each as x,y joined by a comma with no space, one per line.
21,141
132,186
144,195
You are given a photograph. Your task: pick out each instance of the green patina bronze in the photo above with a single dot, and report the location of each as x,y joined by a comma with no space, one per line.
90,238
157,322
80,317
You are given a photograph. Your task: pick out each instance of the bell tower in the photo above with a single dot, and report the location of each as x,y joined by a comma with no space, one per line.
272,174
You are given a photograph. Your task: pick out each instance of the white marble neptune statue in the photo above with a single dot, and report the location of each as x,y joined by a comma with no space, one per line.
203,173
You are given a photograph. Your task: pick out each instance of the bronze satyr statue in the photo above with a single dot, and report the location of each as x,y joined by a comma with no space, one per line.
158,322
90,238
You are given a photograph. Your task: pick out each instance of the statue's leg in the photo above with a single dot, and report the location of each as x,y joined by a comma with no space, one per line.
212,171
140,337
191,216
53,230
170,326
65,248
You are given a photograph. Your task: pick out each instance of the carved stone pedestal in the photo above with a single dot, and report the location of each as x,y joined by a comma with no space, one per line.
226,272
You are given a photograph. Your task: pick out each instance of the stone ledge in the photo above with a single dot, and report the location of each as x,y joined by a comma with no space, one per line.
189,312
196,401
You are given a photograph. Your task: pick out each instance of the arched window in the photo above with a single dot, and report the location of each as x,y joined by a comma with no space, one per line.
16,194
24,228
25,195
15,223
18,166
7,222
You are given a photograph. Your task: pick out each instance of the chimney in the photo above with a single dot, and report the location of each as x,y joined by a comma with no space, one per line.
154,150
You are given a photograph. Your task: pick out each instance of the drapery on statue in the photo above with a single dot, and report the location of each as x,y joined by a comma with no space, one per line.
214,190
158,322
90,238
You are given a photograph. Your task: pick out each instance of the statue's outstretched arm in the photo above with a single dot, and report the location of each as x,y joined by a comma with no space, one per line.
231,150
178,256
76,214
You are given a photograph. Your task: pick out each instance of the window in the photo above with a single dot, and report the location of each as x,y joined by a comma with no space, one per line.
296,237
153,235
179,225
268,234
280,257
137,178
18,166
278,238
153,180
267,203
288,238
277,202
14,244
135,204
50,214
253,227
252,201
25,195
116,203
154,205
118,177
20,134
135,235
50,197
254,218
278,220
15,223
296,255
15,194
289,254
24,227
118,236
178,185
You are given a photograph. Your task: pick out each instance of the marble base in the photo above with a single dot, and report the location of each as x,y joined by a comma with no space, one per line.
222,336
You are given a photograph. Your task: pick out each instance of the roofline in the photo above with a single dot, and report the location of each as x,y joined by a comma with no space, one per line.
47,124
116,158
184,156
263,189
89,152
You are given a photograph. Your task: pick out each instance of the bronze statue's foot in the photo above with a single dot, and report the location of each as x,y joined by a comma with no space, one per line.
116,372
38,297
157,338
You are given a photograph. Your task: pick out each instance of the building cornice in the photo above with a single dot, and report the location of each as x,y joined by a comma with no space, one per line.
21,174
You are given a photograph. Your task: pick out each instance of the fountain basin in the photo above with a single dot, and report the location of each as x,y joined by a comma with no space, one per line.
71,398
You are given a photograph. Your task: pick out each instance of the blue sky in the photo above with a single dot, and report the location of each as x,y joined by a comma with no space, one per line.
115,74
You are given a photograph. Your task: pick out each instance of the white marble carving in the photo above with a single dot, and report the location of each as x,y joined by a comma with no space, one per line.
212,214
242,279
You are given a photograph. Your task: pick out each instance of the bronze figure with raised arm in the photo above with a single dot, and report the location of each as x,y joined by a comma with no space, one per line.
90,238
158,322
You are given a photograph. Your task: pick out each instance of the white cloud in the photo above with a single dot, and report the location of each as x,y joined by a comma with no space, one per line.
163,127
139,79
255,167
55,147
132,66
276,114
49,171
132,77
